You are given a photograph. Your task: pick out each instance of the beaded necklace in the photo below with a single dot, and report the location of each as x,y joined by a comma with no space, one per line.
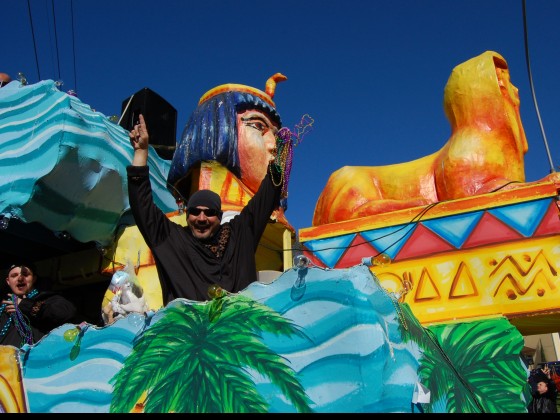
286,140
20,320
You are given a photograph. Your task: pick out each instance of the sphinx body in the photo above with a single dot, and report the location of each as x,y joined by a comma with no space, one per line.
484,152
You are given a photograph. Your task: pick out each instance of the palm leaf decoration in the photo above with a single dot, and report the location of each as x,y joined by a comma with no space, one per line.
194,360
487,353
484,370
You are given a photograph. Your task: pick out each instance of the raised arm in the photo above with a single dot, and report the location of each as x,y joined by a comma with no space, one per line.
139,139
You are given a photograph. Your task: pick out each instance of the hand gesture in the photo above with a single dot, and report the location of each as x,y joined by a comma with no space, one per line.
10,307
139,138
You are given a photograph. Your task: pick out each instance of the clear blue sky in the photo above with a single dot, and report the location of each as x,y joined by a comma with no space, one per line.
371,73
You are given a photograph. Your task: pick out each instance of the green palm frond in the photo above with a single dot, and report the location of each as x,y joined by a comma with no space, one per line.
474,366
486,356
414,330
252,353
238,392
194,360
259,317
147,363
210,389
431,372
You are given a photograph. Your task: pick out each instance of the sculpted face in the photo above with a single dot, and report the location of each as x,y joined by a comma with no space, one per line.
504,81
510,94
256,146
20,280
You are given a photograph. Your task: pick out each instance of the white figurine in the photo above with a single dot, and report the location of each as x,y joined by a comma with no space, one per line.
129,297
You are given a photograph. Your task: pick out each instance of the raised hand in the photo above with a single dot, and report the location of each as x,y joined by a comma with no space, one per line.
139,138
10,307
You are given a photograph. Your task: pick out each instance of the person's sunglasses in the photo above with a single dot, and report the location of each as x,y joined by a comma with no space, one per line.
207,212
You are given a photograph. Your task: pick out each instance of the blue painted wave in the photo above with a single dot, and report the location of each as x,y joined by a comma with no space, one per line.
64,164
56,383
351,359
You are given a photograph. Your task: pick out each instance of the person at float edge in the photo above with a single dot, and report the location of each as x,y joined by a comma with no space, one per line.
27,314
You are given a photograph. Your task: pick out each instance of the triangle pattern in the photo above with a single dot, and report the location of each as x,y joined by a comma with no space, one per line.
314,260
423,242
550,222
356,251
523,217
329,250
454,229
389,240
426,289
463,284
490,230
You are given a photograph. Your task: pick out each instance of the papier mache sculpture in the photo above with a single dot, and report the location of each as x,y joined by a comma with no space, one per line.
484,153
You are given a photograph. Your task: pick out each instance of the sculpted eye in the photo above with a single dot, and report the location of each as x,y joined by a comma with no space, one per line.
258,125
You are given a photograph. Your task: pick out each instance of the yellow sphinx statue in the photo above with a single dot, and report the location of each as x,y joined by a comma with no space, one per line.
484,153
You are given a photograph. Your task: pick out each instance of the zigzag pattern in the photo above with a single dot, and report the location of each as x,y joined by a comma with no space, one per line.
420,239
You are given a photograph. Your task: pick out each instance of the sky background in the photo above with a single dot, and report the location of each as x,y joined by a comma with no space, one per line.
370,73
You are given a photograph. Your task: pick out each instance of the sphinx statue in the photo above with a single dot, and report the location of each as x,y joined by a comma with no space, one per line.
484,153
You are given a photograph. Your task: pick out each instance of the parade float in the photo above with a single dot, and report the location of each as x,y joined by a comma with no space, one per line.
411,293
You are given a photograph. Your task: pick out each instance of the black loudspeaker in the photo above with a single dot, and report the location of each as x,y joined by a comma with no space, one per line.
160,117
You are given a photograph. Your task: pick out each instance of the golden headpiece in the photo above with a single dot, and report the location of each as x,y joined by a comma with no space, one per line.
266,96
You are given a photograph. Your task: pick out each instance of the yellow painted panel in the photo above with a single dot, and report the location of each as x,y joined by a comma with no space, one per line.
512,279
12,393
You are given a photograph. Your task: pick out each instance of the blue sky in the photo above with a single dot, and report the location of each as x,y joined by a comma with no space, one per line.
370,73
